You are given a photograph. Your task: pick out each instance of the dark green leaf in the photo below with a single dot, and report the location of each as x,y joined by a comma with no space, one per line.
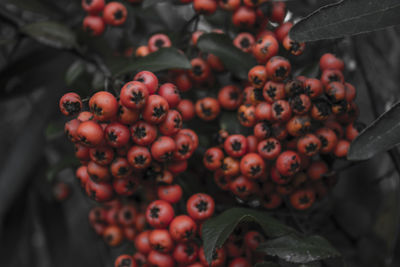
217,230
233,58
35,6
267,264
347,18
383,134
66,162
163,59
74,72
149,3
293,248
6,41
51,34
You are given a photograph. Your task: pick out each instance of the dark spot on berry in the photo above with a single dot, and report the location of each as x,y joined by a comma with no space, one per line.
202,206
177,122
324,141
278,109
140,160
118,15
233,95
122,171
269,146
140,132
159,43
206,111
137,97
254,170
72,107
236,145
197,70
311,147
158,111
281,72
112,137
245,42
184,149
154,212
304,199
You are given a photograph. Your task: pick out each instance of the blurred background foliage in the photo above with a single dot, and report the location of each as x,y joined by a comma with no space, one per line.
360,217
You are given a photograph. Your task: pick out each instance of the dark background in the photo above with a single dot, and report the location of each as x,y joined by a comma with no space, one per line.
360,217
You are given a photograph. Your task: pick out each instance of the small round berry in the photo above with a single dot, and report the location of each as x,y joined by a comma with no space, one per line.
163,149
93,25
186,108
278,68
288,163
200,206
70,104
90,133
156,109
207,108
302,199
252,166
244,40
148,79
159,214
158,41
115,14
317,170
117,135
230,97
93,6
143,133
139,157
183,228
308,145
212,159
269,149
265,48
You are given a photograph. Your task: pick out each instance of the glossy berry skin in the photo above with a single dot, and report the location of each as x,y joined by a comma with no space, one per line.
331,75
139,157
159,214
99,192
149,79
184,147
200,70
263,111
102,155
104,106
246,115
271,201
244,41
313,88
117,135
125,260
244,17
127,214
269,149
134,95
219,258
163,149
127,116
252,166
171,93
186,108
206,7
283,30
235,145
172,123
186,253
341,148
155,258
200,206
273,91
82,175
278,12
113,235
183,82
298,125
161,241
257,76
155,110
212,159
126,186
207,108
265,48
183,228
142,51
193,136
120,168
302,199
335,91
281,110
288,163
158,41
70,104
115,14
300,104
317,169
93,6
230,166
93,25
170,193
308,145
90,133
328,139
70,130
330,61
143,133
278,68
142,243
230,97
294,47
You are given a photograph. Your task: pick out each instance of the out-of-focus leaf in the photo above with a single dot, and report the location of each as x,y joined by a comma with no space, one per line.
34,6
233,58
293,248
163,59
267,264
6,41
216,230
381,135
74,72
149,3
66,162
51,33
347,18
53,130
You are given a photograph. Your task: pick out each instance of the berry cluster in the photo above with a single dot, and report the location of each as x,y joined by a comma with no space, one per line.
101,14
122,142
115,221
300,125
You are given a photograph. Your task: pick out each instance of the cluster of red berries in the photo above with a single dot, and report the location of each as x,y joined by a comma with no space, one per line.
122,142
101,14
245,14
115,221
300,125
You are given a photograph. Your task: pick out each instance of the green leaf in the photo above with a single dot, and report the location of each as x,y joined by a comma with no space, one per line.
149,3
216,230
67,162
163,59
35,6
293,248
6,41
51,34
347,18
74,72
381,135
233,58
